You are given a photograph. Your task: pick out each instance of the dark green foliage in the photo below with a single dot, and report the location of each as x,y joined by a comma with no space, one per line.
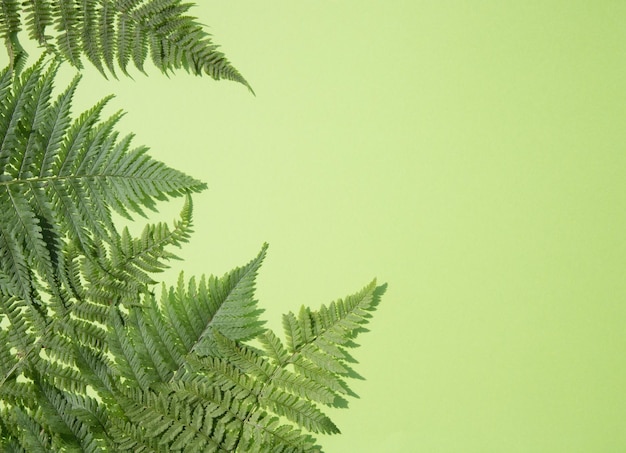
91,359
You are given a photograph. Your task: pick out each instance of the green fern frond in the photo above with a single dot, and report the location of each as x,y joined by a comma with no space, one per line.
7,358
9,19
60,179
18,394
263,433
32,435
156,421
158,338
64,377
92,413
67,21
54,414
316,338
271,395
20,335
12,261
10,25
38,17
129,365
112,33
120,272
223,304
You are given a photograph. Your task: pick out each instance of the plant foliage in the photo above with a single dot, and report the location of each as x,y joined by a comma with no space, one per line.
115,33
93,357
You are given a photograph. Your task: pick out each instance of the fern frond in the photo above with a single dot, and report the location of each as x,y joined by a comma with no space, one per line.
18,394
39,16
156,421
12,261
60,179
64,377
123,273
9,18
156,340
20,335
89,33
229,395
223,304
116,31
316,338
10,25
32,435
54,414
92,413
271,395
67,20
264,432
129,365
7,358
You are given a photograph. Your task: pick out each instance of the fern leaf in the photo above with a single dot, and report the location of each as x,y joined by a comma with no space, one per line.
337,323
64,377
68,21
16,109
89,33
54,129
124,41
123,273
60,179
93,414
32,435
245,358
153,422
213,371
128,361
39,16
106,34
266,433
156,361
12,260
316,339
296,409
53,413
116,31
223,304
18,394
170,351
9,19
274,347
7,359
10,25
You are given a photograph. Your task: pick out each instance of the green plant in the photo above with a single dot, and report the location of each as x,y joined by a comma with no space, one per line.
91,359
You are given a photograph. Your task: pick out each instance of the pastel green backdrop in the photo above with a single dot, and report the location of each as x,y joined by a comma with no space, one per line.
470,154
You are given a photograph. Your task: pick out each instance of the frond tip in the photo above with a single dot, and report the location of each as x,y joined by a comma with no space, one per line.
113,33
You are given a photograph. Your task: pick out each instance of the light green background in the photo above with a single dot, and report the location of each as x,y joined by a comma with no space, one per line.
470,154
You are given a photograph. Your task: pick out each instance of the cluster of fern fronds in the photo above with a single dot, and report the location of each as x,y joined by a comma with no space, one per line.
93,355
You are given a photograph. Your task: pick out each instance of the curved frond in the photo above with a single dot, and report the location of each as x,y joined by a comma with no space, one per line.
124,273
114,33
60,179
316,340
224,304
10,25
192,348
